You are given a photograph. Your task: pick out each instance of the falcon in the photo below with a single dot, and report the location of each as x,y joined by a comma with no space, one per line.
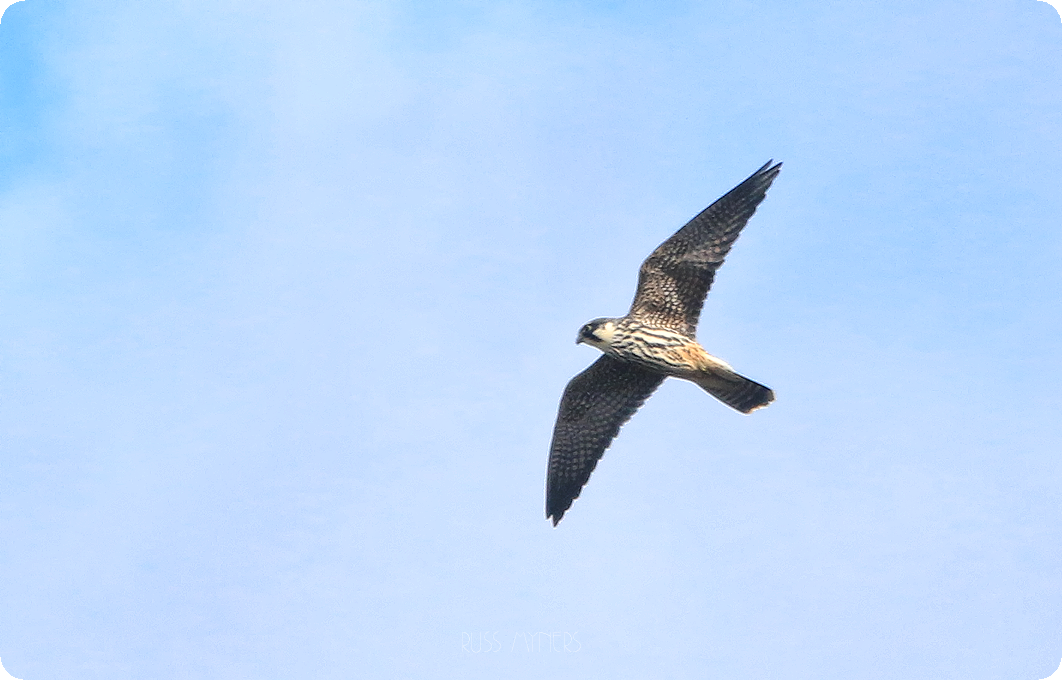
654,341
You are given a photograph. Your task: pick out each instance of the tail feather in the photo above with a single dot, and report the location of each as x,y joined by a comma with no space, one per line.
734,390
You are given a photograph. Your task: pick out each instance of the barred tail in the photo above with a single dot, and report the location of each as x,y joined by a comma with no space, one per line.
734,390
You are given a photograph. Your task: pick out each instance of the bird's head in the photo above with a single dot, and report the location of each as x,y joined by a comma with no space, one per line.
597,333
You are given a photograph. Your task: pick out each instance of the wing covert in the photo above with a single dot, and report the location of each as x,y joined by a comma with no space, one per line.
675,278
596,403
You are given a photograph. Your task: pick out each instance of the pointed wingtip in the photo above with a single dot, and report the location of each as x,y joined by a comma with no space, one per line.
769,168
763,177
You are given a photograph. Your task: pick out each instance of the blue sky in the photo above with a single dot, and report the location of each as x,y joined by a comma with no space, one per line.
288,298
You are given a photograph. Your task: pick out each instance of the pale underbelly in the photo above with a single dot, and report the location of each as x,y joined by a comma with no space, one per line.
665,352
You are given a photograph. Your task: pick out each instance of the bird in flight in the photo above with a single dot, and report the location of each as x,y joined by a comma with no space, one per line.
654,341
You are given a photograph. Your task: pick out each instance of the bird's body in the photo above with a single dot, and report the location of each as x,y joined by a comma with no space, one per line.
654,341
656,348
674,354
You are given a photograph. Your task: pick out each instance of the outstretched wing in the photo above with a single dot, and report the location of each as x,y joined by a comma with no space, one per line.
673,281
596,404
